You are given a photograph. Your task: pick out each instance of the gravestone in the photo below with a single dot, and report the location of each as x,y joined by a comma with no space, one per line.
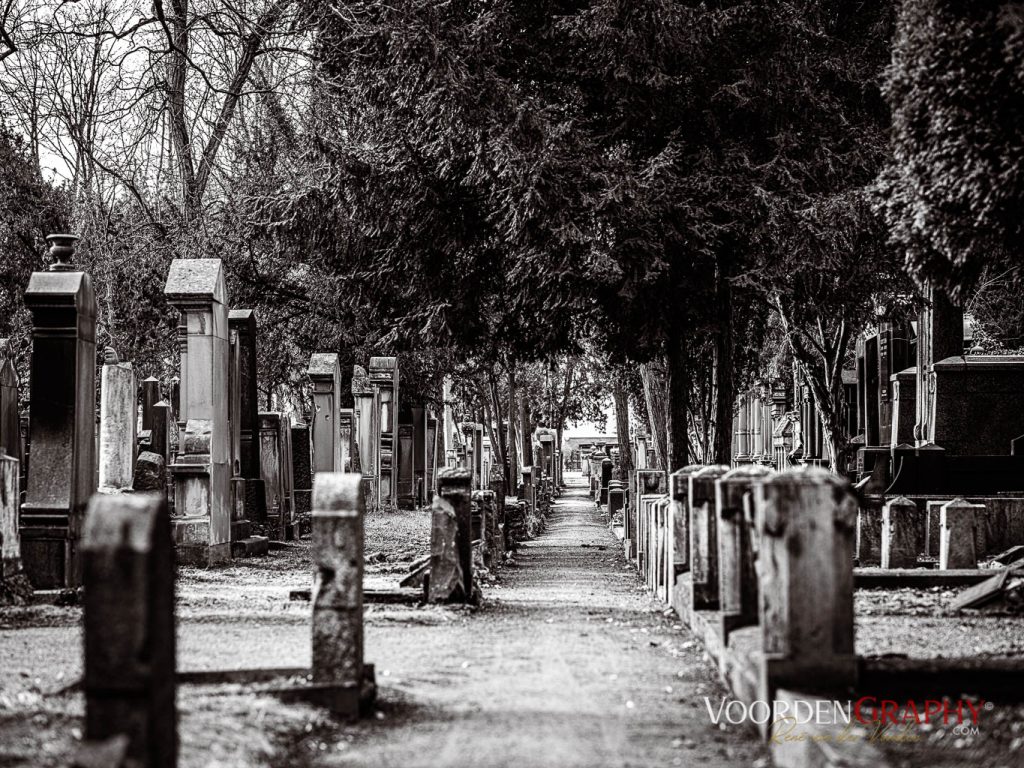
275,466
704,537
904,407
62,401
976,404
10,422
150,473
805,529
383,373
346,431
419,455
366,427
337,533
958,529
606,477
301,471
243,323
149,390
325,376
451,555
940,335
118,414
201,472
14,588
737,583
431,458
899,533
128,621
406,456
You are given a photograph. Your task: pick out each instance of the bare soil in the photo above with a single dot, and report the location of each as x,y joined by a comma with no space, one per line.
567,663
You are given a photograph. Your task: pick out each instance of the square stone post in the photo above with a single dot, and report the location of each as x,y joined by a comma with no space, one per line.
118,414
704,537
201,472
62,403
128,620
899,533
10,538
805,528
346,433
243,323
384,379
325,376
737,577
679,514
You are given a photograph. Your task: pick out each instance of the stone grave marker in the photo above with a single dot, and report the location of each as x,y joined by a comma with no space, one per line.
118,415
899,533
451,557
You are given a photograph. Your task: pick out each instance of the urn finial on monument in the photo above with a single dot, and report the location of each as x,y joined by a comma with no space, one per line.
62,248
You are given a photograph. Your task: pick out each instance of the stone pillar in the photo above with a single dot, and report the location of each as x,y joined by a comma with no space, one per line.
737,577
899,533
287,519
243,323
743,433
10,422
940,334
384,379
160,433
405,455
606,477
300,471
10,539
419,454
62,401
704,537
958,529
128,620
325,375
904,407
365,420
337,522
805,526
451,558
240,526
202,470
118,444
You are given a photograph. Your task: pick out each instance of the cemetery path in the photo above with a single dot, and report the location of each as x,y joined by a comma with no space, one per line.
568,663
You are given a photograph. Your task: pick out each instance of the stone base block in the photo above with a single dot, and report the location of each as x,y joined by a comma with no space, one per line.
251,546
202,555
347,700
240,529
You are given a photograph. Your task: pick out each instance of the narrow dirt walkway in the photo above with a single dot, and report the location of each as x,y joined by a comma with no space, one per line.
568,664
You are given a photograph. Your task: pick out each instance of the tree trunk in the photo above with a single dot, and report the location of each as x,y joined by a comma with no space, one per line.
621,398
678,453
657,416
725,390
512,470
526,432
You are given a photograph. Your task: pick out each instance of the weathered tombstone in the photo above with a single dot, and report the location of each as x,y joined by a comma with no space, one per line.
431,458
616,497
159,434
325,375
301,471
62,401
406,455
150,473
679,500
275,466
346,433
419,455
737,592
365,422
498,532
958,532
118,415
451,557
10,423
704,537
940,335
904,407
932,527
128,621
14,587
383,374
150,394
201,472
899,533
805,527
606,477
337,532
243,323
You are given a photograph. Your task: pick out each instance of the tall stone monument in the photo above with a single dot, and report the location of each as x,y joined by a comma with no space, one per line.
118,416
325,375
384,379
62,401
365,424
201,472
940,335
243,322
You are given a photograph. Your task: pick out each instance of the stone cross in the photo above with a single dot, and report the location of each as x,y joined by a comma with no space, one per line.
128,621
325,376
737,578
958,526
337,532
704,537
118,412
899,533
805,527
62,400
202,470
451,556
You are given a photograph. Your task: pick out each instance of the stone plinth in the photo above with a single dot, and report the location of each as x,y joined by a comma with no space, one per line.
62,400
128,621
201,472
118,414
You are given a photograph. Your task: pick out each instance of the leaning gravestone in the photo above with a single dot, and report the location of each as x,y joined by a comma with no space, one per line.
128,621
62,400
